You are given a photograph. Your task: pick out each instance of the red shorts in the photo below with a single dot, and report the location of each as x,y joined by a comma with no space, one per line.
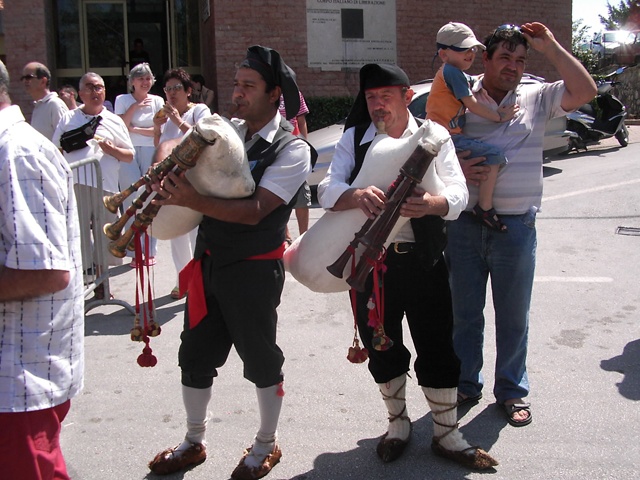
30,444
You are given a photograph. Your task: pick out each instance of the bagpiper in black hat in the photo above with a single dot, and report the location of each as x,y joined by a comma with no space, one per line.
268,63
374,75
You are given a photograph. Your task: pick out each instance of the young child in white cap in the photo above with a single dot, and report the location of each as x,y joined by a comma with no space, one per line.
451,95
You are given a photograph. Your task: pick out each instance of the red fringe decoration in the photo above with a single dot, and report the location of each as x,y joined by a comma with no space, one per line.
149,327
147,358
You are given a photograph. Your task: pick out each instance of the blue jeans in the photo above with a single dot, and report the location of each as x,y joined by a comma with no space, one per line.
493,155
474,253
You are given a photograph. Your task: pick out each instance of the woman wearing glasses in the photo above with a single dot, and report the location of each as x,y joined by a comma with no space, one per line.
174,120
137,109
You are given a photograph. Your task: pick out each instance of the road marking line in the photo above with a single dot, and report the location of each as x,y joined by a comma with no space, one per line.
590,190
574,279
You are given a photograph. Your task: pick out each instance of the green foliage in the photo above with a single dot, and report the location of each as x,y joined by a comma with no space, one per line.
580,46
618,16
325,111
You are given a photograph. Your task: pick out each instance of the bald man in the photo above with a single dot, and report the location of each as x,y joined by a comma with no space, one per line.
48,107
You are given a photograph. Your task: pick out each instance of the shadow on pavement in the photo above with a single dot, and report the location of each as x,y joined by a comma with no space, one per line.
484,430
550,171
594,151
121,322
362,462
628,364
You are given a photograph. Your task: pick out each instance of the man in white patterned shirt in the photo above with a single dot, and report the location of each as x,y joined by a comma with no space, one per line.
41,298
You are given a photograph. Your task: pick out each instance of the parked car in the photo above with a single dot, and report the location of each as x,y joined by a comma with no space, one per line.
629,51
605,45
556,139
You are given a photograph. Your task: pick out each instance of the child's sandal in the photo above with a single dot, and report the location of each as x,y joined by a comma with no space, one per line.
489,218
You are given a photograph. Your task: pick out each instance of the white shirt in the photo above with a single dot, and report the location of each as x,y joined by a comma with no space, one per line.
343,163
292,166
112,128
41,339
47,112
142,117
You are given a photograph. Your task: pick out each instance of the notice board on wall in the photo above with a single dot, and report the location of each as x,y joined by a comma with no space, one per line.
350,33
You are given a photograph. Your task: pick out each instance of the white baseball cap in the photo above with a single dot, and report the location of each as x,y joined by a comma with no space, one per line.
458,37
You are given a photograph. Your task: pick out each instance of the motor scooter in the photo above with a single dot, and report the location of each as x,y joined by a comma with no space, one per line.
587,126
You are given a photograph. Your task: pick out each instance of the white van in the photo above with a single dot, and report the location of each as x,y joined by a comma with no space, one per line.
606,44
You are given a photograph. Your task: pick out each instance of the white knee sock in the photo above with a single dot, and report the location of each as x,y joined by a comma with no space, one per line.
269,403
196,401
393,394
445,418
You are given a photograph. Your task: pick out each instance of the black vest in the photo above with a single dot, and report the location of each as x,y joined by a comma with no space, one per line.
230,242
430,231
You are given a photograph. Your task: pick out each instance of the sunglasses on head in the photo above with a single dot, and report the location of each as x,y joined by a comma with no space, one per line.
501,28
175,88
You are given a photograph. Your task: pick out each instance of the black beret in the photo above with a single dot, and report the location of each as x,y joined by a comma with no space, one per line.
375,75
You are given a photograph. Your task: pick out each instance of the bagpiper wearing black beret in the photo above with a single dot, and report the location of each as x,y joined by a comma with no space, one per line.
374,75
268,63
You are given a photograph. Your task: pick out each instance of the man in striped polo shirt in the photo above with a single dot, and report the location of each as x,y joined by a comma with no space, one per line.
476,252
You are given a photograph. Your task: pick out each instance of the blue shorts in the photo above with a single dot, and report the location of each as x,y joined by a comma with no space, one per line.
494,155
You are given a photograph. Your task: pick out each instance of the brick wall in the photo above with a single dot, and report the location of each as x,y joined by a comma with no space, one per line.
28,37
281,24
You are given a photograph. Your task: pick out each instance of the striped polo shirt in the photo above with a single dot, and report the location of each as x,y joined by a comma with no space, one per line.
519,184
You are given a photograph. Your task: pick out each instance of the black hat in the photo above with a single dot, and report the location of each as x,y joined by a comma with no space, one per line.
374,75
268,63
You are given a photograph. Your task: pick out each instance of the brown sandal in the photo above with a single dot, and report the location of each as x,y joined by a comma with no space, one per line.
473,457
244,472
390,449
171,461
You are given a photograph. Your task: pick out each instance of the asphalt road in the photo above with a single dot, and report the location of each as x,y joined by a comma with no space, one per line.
584,365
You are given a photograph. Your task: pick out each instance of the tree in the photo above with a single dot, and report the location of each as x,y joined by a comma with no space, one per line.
625,16
580,46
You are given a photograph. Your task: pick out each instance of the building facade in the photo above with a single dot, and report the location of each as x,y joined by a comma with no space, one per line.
324,41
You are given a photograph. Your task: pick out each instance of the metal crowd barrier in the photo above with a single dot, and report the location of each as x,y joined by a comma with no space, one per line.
95,257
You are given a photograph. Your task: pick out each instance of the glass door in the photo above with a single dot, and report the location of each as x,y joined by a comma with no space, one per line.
105,43
105,34
99,36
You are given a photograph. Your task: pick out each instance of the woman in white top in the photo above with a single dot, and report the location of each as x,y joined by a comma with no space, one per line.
202,94
178,116
137,110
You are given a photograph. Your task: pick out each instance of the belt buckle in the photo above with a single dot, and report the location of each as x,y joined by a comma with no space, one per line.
395,248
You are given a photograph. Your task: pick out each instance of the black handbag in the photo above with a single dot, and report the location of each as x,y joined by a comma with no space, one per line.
76,139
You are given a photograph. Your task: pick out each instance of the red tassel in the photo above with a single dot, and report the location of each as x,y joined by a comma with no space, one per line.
280,391
153,329
357,354
136,334
136,331
147,358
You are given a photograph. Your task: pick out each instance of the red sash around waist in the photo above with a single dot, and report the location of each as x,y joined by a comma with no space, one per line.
190,280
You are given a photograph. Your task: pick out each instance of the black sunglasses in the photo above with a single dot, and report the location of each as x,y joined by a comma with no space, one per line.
28,77
501,28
